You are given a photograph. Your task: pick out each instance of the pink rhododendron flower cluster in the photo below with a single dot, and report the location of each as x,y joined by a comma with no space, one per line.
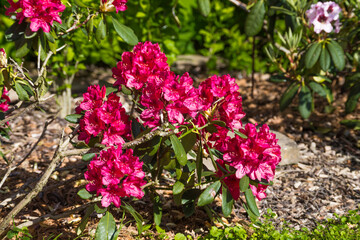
111,5
323,15
256,157
40,13
4,102
103,117
166,95
115,174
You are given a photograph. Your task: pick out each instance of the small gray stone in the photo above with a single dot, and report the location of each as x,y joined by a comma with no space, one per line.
290,153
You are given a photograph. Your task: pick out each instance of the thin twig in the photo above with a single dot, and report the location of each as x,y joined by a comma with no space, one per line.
50,53
39,186
28,108
9,170
75,26
54,217
39,58
240,5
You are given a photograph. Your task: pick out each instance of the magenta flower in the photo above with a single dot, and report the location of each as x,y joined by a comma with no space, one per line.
257,156
114,175
40,13
323,15
103,117
137,66
4,101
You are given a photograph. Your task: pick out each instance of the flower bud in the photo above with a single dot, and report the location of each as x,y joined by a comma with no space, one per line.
107,6
3,59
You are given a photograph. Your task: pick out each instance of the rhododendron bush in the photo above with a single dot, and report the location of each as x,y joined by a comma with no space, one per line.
185,125
176,134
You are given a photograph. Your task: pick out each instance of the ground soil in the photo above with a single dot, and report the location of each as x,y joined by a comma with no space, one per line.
325,182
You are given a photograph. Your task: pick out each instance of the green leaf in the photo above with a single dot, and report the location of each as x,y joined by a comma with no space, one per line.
250,200
178,188
84,194
244,183
80,4
199,163
157,208
126,33
84,220
23,95
106,227
354,123
90,28
88,157
288,95
318,88
188,141
255,19
208,195
180,236
240,134
100,210
204,6
353,98
325,58
49,37
305,102
100,31
337,54
23,47
227,201
179,150
278,79
312,55
138,218
73,118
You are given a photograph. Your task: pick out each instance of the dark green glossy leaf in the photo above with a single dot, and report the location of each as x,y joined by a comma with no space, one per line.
240,134
288,95
255,19
138,218
179,150
227,201
244,183
178,188
353,98
23,95
126,33
354,123
106,227
84,220
208,195
305,102
99,210
278,79
250,200
73,118
189,141
100,31
325,58
337,54
88,156
318,88
84,194
199,163
157,208
49,37
204,6
312,55
23,47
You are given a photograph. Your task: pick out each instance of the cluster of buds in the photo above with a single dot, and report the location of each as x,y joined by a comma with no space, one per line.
112,5
3,58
